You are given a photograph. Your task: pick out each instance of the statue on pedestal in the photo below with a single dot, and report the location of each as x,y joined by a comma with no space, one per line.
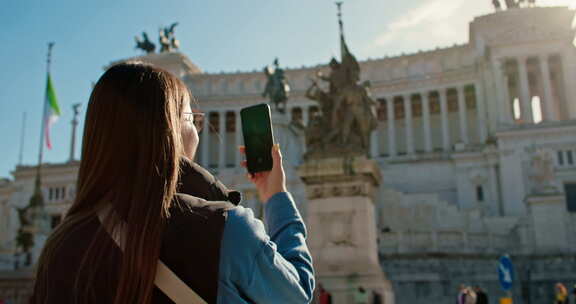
341,182
277,88
34,221
511,4
168,41
146,45
497,5
348,112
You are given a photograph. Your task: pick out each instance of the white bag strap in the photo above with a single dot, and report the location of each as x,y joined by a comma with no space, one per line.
166,280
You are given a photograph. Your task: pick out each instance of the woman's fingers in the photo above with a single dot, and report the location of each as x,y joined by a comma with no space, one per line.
244,164
242,149
276,156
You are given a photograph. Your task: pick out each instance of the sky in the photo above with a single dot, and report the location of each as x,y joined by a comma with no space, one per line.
216,35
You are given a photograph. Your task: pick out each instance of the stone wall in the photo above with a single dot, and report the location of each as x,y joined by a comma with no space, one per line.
16,286
435,278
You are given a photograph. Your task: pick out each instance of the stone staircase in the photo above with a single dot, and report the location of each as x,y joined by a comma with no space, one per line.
423,223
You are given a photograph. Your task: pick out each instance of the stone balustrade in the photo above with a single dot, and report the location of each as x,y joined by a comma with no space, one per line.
448,241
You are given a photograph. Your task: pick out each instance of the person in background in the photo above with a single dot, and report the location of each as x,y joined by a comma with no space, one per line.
561,295
461,298
324,297
481,297
361,296
470,296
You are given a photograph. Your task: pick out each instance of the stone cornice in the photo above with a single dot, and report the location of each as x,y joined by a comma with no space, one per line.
528,131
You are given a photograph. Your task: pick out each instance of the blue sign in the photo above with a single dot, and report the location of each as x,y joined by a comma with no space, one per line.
505,272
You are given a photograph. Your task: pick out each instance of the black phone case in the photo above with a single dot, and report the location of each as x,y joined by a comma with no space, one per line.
258,137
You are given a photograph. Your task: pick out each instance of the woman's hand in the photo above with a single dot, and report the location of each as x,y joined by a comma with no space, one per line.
271,182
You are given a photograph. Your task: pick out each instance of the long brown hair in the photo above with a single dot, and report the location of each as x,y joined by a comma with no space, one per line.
130,154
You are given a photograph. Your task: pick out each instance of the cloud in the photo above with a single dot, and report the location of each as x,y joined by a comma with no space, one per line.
433,17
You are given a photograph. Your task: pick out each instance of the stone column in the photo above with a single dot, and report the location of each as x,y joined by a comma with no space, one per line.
503,94
525,100
238,138
444,117
548,101
568,61
408,121
480,112
222,143
206,141
426,128
391,119
462,115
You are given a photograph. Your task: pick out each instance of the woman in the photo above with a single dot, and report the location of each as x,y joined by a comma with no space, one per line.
561,296
139,133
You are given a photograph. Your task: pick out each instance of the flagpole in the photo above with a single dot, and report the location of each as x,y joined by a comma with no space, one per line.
37,189
22,135
341,27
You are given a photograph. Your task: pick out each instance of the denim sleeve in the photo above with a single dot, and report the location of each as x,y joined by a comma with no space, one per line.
272,264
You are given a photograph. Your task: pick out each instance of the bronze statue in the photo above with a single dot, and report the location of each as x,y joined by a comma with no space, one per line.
25,238
511,4
348,113
277,88
168,41
354,108
316,132
497,4
146,45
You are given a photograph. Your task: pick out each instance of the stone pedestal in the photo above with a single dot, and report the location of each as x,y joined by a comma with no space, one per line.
548,216
342,227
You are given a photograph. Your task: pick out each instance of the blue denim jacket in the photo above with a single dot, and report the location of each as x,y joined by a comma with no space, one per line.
269,264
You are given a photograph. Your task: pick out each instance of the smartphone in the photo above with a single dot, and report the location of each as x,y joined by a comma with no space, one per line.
258,137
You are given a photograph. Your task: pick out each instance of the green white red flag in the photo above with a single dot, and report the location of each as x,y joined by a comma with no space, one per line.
52,110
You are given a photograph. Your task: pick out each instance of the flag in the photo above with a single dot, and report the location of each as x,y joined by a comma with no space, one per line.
52,110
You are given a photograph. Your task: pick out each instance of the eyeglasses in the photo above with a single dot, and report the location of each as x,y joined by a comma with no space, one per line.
197,119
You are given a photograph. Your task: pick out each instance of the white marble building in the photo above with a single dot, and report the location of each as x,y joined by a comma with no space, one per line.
460,132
